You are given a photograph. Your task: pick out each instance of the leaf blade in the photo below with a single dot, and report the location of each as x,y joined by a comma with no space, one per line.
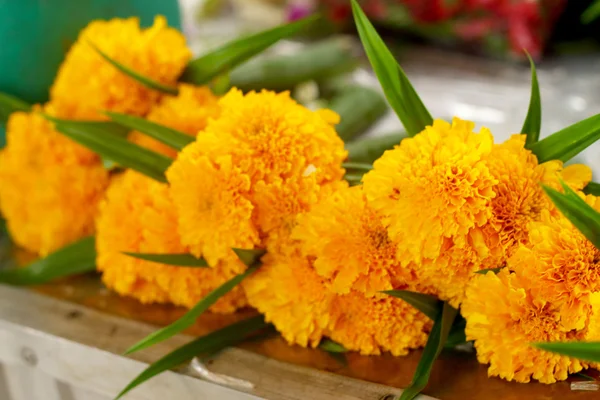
568,142
398,90
592,188
368,150
147,82
205,68
208,344
10,104
76,258
588,351
427,304
179,260
533,121
435,344
331,346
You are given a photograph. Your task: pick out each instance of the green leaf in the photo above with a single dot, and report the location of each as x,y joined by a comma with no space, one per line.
353,179
76,258
435,343
485,271
180,260
99,127
171,137
567,143
202,70
457,334
581,214
533,122
368,150
397,88
592,188
116,148
330,346
591,13
587,351
427,304
357,166
249,257
209,344
190,317
10,104
149,83
584,377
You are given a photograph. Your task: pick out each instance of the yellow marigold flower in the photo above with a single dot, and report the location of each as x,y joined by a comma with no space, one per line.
87,84
292,296
504,318
138,216
349,243
250,171
49,186
563,266
188,112
433,186
374,324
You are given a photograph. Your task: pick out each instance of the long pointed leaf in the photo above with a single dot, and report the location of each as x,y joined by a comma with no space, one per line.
330,346
190,317
202,70
149,83
581,214
179,260
76,258
171,137
588,351
533,122
397,88
427,304
209,344
435,344
567,143
117,149
592,188
368,150
591,13
357,166
10,104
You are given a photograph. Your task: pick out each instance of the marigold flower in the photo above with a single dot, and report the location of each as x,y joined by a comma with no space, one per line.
86,84
562,265
188,112
349,243
504,318
250,171
138,216
49,185
374,324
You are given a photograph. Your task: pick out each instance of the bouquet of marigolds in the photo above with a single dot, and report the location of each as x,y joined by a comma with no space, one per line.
181,188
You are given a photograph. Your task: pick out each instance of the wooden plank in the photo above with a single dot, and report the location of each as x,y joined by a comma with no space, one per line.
81,347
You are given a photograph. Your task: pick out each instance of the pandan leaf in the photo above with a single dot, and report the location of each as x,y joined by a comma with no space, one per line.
179,260
192,315
205,345
249,256
592,188
330,346
591,13
567,143
149,83
587,351
76,258
368,150
397,88
357,166
457,333
581,214
353,179
99,127
485,271
427,304
10,104
533,122
584,377
116,149
435,343
202,70
169,136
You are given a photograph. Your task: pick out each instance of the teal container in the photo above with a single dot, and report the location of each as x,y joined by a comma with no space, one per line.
36,34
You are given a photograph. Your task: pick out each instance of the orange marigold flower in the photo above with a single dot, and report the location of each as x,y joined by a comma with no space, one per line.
292,296
349,243
250,171
562,265
374,324
504,318
188,112
86,84
138,216
49,186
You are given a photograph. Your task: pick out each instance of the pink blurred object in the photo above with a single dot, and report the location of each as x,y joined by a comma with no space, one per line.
512,27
